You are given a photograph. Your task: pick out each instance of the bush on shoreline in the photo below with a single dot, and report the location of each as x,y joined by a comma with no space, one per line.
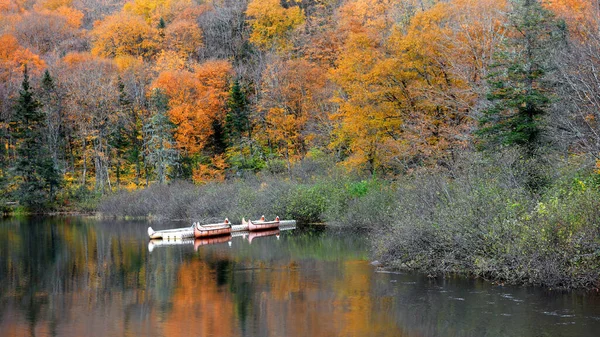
306,202
485,223
308,197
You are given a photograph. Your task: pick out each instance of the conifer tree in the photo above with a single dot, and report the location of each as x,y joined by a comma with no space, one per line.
4,164
119,139
161,27
50,102
519,89
161,152
36,176
241,153
237,123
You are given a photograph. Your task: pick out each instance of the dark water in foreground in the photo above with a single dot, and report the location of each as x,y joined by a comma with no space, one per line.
81,277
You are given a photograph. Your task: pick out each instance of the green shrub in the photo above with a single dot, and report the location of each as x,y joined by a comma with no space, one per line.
307,203
360,188
276,166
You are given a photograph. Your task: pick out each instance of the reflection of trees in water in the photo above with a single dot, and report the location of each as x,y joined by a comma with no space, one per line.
71,276
200,304
50,266
304,284
35,267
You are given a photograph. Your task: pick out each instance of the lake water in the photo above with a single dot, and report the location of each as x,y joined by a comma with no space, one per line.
84,277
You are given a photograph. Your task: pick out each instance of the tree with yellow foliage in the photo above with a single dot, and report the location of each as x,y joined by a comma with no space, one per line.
272,25
372,106
169,10
124,34
408,89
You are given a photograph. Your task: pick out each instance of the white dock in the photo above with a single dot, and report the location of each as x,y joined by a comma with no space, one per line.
239,228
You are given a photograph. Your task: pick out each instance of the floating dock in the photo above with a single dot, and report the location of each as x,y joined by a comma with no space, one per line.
188,232
245,234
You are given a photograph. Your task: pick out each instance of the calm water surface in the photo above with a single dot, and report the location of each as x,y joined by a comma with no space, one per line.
82,277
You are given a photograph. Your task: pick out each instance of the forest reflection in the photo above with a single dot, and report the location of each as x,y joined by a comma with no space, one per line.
84,277
77,276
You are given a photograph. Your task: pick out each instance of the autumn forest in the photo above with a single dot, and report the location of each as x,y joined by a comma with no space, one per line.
127,94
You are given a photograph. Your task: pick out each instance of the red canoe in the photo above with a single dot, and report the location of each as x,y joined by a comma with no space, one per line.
261,225
204,231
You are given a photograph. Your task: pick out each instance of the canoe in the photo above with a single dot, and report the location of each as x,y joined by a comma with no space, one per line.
261,225
171,234
204,231
211,241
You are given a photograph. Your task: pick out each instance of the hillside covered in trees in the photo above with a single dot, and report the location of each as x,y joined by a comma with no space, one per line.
100,96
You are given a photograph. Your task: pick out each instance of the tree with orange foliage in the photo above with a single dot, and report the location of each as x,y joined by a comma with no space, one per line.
183,37
197,104
13,59
375,99
290,103
443,59
372,106
63,8
212,169
73,16
581,16
53,4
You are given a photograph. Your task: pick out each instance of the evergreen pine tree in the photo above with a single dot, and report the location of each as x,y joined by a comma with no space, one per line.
217,143
161,152
161,27
519,89
50,102
238,132
4,164
119,139
33,169
237,123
